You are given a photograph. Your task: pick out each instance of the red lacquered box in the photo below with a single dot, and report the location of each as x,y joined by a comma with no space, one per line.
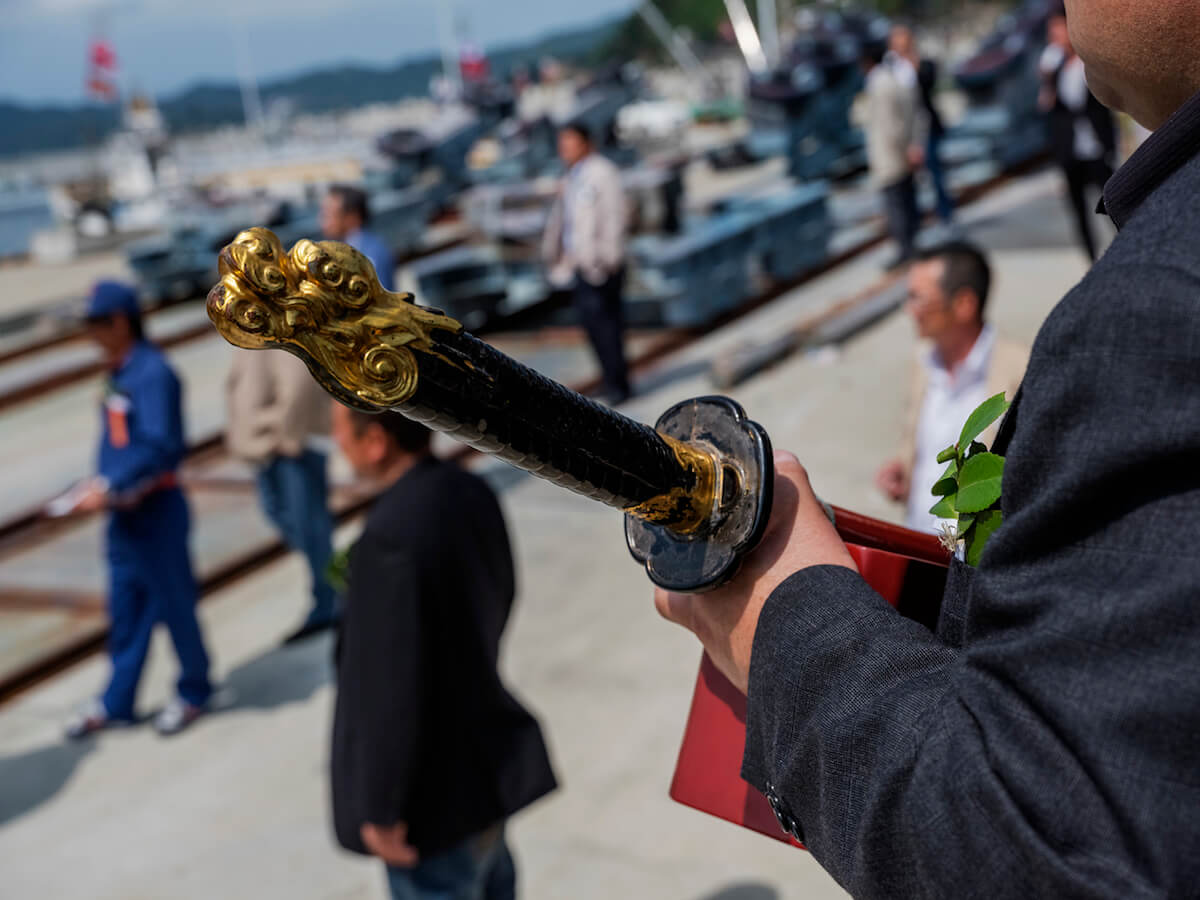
707,771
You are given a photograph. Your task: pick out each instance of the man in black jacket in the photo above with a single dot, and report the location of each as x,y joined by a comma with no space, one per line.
1045,741
430,752
1083,136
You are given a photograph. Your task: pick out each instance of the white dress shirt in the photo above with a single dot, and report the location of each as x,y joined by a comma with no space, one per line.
904,71
949,399
571,197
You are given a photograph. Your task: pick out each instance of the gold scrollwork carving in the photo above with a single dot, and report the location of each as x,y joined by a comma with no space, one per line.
323,302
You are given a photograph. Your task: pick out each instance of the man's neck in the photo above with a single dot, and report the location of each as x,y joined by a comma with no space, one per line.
399,466
118,357
955,347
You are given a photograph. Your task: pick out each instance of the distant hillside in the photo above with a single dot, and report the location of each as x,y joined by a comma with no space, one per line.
701,19
29,129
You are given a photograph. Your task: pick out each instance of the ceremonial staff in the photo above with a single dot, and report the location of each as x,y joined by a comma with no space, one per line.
696,489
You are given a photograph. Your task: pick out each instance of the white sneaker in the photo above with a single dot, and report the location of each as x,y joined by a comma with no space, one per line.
88,719
176,716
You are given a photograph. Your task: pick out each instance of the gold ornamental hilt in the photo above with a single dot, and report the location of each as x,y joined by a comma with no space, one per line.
696,489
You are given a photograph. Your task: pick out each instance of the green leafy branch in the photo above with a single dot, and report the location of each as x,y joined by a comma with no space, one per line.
337,572
970,487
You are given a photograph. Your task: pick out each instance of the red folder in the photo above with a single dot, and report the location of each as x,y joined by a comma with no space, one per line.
710,759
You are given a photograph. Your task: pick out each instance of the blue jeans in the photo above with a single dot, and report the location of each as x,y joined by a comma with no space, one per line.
933,163
150,581
480,868
294,497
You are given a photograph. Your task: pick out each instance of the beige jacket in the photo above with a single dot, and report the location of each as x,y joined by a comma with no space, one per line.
1005,371
275,406
598,224
893,122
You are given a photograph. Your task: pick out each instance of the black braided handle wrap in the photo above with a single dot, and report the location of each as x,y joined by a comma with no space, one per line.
476,394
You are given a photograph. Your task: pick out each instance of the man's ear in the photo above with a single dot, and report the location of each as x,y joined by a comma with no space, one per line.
966,305
377,445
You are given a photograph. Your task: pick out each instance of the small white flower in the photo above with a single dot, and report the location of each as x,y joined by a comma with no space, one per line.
949,535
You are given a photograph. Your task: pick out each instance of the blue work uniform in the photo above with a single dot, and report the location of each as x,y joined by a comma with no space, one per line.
150,572
373,248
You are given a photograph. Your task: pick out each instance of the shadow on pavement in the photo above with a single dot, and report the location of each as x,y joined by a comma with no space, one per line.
1045,223
278,677
670,374
745,891
30,779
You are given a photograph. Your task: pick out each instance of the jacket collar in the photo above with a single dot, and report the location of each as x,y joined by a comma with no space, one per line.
1166,150
127,360
974,368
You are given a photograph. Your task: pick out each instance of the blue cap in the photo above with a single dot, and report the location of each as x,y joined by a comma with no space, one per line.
112,298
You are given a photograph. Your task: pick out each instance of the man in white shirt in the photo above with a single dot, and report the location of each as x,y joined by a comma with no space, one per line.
584,249
966,363
1082,133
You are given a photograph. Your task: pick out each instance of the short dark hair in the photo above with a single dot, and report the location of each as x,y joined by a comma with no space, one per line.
352,200
579,128
405,433
872,54
964,266
136,329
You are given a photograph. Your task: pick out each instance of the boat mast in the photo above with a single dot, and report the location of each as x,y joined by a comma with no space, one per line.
447,41
251,101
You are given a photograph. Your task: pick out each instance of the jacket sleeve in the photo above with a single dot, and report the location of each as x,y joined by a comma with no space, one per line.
918,117
156,444
379,681
552,237
289,417
601,254
888,115
612,223
1054,755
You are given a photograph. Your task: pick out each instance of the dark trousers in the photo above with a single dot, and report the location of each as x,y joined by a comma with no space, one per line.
1081,173
294,497
933,163
480,868
600,313
903,217
150,581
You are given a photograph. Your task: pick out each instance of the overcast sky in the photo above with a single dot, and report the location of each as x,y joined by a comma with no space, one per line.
164,45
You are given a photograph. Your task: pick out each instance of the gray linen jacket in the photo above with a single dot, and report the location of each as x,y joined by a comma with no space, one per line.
599,221
275,406
893,121
1045,742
